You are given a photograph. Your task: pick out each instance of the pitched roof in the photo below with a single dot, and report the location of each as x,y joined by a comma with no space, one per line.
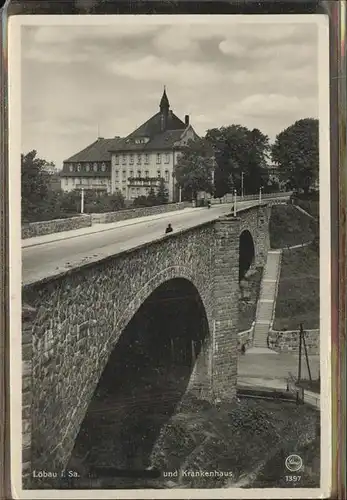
152,130
97,151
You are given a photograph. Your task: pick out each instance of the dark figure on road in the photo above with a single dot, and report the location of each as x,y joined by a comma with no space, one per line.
168,229
208,204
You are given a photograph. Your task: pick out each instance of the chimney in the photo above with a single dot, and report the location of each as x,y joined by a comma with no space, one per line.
186,120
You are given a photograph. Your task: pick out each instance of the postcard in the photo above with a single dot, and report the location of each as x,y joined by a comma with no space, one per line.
169,184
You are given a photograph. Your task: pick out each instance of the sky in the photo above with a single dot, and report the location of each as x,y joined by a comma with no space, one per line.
81,82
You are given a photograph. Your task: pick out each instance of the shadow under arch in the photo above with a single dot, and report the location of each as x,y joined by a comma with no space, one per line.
246,253
146,376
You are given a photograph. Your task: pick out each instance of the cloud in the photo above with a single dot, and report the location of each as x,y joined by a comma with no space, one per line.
77,80
153,68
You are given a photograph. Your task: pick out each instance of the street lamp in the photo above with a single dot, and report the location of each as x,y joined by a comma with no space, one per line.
82,200
260,191
235,198
242,175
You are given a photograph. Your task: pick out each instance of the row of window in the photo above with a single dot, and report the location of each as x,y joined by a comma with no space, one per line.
139,174
139,158
80,180
87,167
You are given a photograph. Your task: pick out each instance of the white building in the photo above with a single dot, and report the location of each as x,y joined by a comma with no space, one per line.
150,153
134,164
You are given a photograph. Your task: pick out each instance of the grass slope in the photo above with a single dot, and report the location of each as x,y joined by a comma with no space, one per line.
289,226
298,291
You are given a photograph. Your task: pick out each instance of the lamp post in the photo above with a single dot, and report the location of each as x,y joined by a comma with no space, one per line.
235,198
242,175
82,200
179,194
260,191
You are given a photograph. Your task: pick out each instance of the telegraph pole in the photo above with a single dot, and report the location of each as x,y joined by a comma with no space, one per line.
300,347
242,175
235,198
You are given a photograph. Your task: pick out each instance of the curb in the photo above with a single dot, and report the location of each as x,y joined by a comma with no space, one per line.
150,218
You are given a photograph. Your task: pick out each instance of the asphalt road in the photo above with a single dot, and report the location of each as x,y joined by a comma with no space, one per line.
53,258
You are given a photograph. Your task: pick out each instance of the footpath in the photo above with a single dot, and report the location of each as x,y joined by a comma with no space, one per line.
260,369
101,227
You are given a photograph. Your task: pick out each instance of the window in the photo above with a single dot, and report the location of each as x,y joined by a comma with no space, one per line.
124,175
158,158
124,159
116,159
103,167
95,167
146,174
78,167
138,191
131,159
87,167
167,158
131,174
66,181
139,173
158,173
147,158
139,159
167,176
71,168
116,174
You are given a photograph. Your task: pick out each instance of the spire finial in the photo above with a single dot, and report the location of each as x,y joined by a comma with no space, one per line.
164,102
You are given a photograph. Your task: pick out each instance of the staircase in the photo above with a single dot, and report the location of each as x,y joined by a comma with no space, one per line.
267,298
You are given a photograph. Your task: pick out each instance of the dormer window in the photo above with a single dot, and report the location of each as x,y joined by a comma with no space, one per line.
103,167
71,168
95,167
87,167
141,140
78,167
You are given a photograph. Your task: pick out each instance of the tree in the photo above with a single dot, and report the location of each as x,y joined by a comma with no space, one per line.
240,153
35,186
194,169
162,196
296,152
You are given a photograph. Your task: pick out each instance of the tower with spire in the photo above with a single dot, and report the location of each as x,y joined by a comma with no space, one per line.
164,111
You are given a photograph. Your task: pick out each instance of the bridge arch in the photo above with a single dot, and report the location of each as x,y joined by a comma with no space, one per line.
246,253
140,351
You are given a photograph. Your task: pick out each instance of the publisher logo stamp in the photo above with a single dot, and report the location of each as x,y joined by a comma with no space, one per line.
293,463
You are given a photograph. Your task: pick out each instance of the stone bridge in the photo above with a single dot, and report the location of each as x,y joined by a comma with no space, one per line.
180,290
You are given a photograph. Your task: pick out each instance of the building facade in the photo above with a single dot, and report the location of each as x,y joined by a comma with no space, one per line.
147,156
90,168
134,164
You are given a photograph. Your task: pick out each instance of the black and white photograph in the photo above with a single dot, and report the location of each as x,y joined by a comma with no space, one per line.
169,178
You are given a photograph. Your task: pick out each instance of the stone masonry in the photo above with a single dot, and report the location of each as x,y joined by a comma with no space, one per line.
34,229
72,323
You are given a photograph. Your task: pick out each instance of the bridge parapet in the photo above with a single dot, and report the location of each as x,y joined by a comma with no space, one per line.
76,319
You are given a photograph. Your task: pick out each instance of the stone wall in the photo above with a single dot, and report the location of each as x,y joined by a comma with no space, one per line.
138,212
257,223
79,318
34,229
288,341
245,338
76,320
58,225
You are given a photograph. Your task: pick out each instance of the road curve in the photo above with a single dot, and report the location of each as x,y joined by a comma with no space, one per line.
56,257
